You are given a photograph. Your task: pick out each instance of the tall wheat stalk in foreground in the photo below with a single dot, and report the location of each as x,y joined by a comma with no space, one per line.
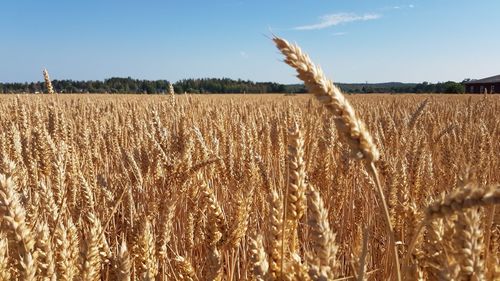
48,83
348,123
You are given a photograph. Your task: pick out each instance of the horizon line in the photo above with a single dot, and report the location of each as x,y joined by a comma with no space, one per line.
234,79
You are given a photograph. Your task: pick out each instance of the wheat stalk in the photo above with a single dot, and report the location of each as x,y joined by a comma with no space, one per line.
348,124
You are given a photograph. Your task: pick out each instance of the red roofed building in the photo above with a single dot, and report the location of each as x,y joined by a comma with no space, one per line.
490,84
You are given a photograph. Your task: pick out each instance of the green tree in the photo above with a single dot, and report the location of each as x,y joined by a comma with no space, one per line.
451,87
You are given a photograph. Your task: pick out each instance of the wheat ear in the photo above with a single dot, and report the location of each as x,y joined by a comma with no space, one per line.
259,259
463,198
15,215
275,234
323,263
146,257
469,239
91,262
123,265
349,125
65,267
216,216
215,229
44,252
239,225
185,269
296,189
48,83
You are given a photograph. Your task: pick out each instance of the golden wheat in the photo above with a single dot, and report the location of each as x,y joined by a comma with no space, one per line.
97,187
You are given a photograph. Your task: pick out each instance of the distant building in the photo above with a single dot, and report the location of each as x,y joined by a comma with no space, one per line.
490,84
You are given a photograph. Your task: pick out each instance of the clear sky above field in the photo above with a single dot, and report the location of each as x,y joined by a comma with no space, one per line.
354,41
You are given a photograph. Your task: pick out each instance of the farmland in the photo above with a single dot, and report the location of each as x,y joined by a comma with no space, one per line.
194,187
190,141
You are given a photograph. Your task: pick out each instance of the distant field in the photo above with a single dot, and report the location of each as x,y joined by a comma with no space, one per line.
192,187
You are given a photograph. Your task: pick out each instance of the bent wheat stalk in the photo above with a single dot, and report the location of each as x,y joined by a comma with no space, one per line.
467,197
350,127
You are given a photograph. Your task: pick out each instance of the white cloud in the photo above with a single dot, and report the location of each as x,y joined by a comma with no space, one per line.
410,6
339,33
336,19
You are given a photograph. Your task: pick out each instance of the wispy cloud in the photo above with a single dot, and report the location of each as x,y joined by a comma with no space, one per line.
410,6
336,19
339,33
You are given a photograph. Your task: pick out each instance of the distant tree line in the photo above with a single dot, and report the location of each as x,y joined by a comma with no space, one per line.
394,87
227,85
214,85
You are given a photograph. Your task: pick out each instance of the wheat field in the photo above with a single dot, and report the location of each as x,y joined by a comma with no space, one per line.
100,187
250,187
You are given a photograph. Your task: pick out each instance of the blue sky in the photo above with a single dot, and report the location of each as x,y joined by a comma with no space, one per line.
353,40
